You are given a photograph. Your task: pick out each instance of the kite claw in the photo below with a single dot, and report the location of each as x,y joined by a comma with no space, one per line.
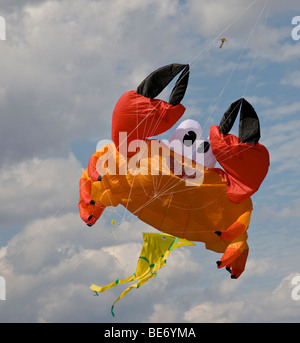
228,269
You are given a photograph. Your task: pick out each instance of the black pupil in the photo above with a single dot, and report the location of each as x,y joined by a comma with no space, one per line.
203,147
189,138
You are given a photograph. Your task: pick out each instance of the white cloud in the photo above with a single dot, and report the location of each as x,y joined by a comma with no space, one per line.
57,259
282,111
257,33
259,267
36,188
164,313
282,140
260,101
291,210
208,312
292,79
65,64
278,306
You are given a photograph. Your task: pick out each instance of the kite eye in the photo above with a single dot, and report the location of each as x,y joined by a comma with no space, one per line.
189,138
204,155
183,139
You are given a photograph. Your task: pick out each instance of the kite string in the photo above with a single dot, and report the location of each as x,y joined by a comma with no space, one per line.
219,157
172,183
232,71
191,66
236,64
193,62
248,78
257,47
220,33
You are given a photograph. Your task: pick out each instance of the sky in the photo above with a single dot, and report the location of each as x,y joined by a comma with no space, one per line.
64,64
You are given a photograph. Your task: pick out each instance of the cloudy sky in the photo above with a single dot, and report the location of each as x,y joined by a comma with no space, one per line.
63,66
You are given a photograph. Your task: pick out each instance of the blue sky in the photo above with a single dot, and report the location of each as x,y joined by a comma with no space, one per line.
64,64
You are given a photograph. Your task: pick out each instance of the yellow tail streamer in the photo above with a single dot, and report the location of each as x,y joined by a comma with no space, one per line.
154,253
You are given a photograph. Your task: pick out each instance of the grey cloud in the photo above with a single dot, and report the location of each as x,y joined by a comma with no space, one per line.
64,66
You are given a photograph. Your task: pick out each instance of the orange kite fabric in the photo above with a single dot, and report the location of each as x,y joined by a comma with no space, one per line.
193,212
137,175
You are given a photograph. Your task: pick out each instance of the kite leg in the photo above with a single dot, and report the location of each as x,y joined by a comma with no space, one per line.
89,210
238,266
236,229
90,213
235,256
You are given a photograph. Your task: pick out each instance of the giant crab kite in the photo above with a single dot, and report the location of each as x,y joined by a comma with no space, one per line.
138,172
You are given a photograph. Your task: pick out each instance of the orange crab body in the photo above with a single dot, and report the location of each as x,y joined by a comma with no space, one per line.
215,210
166,202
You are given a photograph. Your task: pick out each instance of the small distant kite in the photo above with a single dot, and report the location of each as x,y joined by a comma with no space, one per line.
223,40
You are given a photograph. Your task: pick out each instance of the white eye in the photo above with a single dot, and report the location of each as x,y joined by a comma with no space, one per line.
203,153
183,139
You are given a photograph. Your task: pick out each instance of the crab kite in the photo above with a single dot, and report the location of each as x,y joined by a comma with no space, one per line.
170,189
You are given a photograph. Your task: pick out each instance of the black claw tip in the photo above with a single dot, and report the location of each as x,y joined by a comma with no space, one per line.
228,269
154,83
219,233
233,276
92,202
90,217
219,263
89,224
99,178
